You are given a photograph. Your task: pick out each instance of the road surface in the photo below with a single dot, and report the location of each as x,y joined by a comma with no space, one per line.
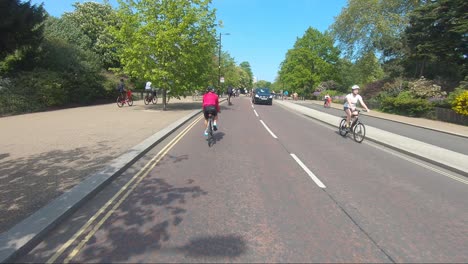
277,187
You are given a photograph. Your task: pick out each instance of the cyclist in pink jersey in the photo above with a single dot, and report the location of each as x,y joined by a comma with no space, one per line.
211,106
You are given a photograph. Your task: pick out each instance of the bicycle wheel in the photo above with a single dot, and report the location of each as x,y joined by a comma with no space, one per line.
155,99
359,132
210,132
130,101
342,128
146,100
119,102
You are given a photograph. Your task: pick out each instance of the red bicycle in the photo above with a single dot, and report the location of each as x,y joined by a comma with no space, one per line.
121,100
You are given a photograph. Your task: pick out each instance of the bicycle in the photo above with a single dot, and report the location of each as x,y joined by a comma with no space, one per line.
151,97
358,128
327,103
210,139
129,100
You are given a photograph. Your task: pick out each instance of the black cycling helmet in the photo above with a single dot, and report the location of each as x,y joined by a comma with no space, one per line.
209,89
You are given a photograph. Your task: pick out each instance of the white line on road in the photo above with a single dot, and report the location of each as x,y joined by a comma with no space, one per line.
256,113
263,123
252,106
311,174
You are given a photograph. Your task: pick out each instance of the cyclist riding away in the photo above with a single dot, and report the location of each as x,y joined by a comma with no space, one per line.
210,106
350,103
230,93
121,89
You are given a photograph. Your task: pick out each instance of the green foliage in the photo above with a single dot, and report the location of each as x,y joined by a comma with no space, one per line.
94,21
405,104
365,26
368,69
262,84
20,26
328,85
423,88
247,83
437,40
460,104
67,30
170,43
312,60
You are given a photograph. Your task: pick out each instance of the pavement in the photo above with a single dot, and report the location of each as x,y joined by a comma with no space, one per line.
439,156
186,111
276,187
445,127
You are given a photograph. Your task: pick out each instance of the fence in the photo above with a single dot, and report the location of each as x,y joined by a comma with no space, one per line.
448,115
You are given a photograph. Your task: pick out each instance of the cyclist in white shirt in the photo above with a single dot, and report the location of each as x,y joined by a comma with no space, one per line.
350,103
148,88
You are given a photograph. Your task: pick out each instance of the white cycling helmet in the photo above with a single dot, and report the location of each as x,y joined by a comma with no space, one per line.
355,87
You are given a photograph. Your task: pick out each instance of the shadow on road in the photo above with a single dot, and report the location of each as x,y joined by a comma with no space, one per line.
218,136
142,223
214,246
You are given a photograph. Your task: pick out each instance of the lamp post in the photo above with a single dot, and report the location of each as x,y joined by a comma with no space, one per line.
219,59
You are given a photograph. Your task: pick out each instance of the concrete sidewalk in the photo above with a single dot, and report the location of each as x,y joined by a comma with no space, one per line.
442,157
445,127
42,155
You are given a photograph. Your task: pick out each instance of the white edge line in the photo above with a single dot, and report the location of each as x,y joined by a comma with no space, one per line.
273,135
256,113
311,174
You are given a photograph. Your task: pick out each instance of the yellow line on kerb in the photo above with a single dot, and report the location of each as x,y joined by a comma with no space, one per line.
154,161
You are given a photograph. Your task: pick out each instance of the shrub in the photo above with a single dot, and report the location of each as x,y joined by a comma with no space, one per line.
405,104
372,89
423,88
460,104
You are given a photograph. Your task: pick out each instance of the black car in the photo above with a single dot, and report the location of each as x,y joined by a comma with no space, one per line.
262,96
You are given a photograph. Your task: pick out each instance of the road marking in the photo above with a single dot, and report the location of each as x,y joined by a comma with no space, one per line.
273,135
253,106
156,160
311,174
420,164
256,113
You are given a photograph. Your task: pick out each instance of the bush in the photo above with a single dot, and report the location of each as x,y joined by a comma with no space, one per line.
423,88
405,104
460,104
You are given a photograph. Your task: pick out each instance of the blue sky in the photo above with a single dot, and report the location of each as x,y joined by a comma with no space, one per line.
261,31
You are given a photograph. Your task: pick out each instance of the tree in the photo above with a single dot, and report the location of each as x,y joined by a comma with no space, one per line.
170,43
368,69
65,29
372,26
262,84
246,67
20,26
437,40
312,60
94,20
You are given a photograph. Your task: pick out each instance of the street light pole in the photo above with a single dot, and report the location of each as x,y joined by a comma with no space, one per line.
219,60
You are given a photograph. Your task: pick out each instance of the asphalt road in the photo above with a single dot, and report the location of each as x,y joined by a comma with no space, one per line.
440,139
247,199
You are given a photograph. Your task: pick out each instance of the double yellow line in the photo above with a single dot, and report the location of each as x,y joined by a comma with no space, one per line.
135,181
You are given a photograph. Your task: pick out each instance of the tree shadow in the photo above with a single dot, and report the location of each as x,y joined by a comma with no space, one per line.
214,246
4,155
27,184
142,223
176,106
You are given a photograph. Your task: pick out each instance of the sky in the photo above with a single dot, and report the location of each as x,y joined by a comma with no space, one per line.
260,31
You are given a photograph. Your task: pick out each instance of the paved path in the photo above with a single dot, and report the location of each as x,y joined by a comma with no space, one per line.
405,126
44,154
277,187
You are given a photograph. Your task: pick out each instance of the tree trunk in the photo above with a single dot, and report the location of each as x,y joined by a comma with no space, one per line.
164,99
